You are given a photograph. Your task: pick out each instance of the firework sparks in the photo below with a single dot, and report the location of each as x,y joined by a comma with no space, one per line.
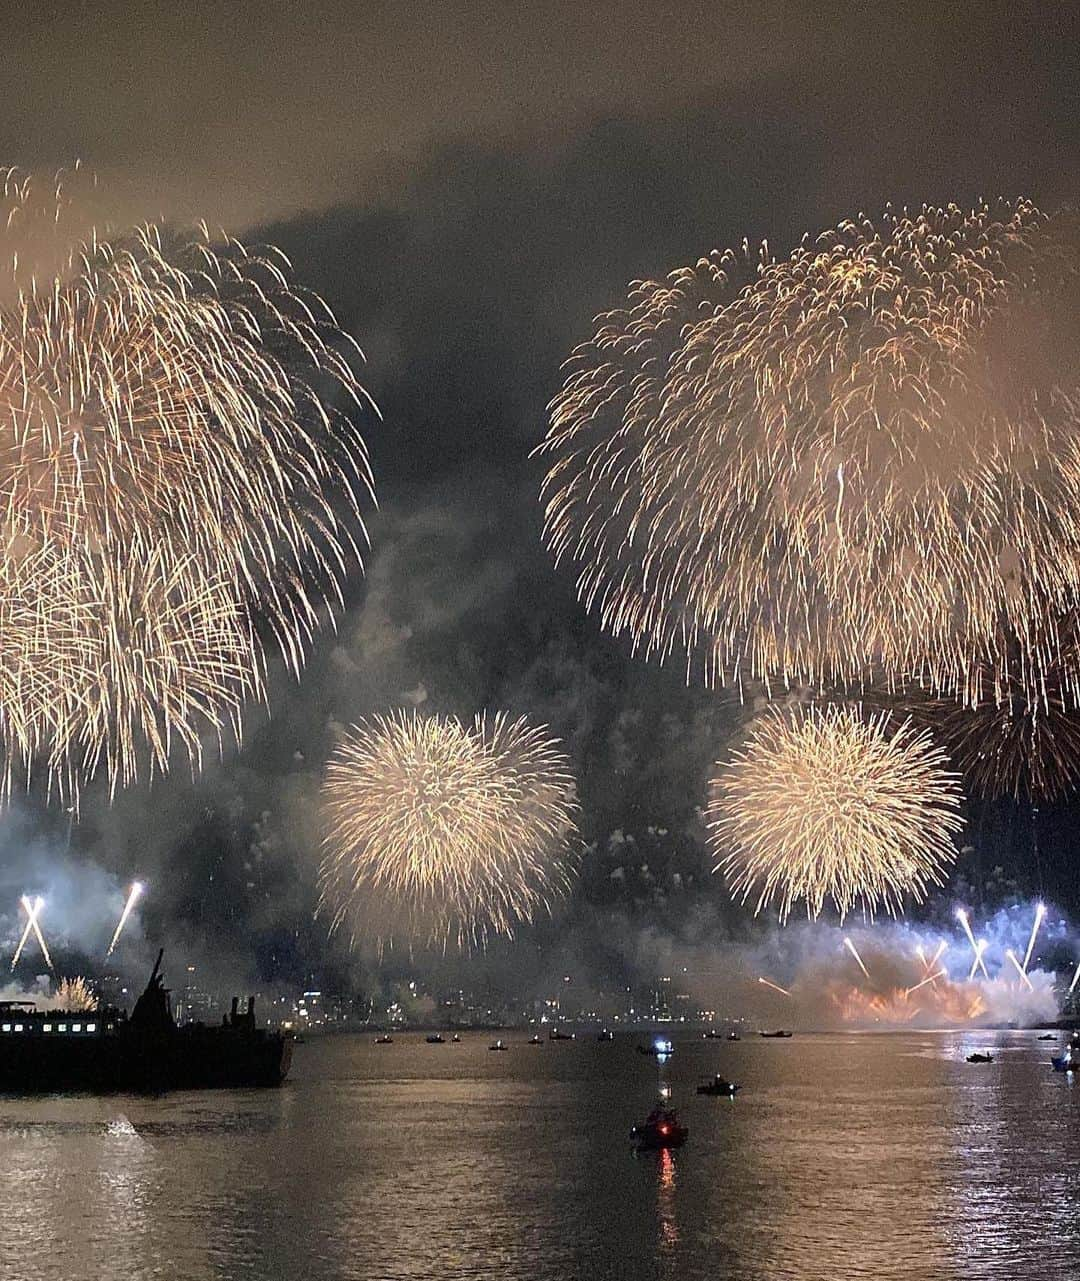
1040,912
858,959
444,834
176,491
775,986
1075,980
822,803
132,898
33,912
857,461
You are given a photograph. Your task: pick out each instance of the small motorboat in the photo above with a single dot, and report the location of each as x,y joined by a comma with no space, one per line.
733,1035
660,1129
536,1040
719,1087
435,1039
556,1035
1070,1060
780,1034
385,1039
498,1045
605,1035
980,1058
455,1039
1047,1036
712,1035
660,1048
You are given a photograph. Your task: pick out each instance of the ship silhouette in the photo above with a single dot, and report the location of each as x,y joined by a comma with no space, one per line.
105,1049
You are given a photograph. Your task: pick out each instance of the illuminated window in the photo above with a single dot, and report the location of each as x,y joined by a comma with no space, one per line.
47,1027
62,1027
91,1027
18,1027
7,1027
76,1027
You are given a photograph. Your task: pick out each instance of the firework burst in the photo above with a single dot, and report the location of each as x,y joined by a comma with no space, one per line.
176,488
74,995
858,461
444,834
825,804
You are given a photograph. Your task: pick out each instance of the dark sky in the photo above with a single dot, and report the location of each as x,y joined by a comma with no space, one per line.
467,185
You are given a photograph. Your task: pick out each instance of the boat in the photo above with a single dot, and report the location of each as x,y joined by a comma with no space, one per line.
660,1129
712,1035
106,1049
556,1035
455,1039
778,1034
385,1039
733,1035
536,1039
719,1086
435,1039
1047,1036
980,1058
1070,1060
497,1045
605,1035
660,1048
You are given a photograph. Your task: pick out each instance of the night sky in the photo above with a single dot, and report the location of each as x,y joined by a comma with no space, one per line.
468,185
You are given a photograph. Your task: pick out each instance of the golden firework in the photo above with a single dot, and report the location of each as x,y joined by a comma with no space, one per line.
823,803
860,461
176,487
443,834
75,995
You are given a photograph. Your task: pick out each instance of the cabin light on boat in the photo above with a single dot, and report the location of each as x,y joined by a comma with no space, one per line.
76,1027
18,1027
61,1027
91,1027
46,1027
7,1027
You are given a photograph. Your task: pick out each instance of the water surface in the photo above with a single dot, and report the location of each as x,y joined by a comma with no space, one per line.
844,1156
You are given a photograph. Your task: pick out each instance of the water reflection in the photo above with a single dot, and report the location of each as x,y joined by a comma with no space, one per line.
665,1200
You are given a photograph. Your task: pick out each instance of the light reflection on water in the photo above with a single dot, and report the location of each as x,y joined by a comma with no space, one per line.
843,1157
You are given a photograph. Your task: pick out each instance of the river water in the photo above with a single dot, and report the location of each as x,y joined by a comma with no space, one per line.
844,1156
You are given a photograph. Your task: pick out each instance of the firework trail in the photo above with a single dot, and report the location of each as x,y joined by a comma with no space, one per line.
26,928
856,462
33,911
980,948
775,986
859,961
962,917
938,974
823,803
178,493
132,898
1019,968
444,834
1075,980
1040,912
